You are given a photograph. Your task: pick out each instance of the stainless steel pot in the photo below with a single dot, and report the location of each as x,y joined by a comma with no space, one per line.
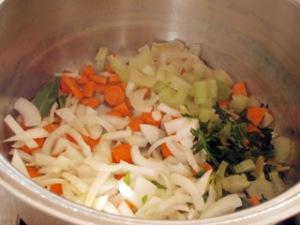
256,40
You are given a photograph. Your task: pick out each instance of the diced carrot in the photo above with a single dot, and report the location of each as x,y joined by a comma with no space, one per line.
119,176
165,151
131,206
223,103
254,200
88,70
147,118
64,88
99,79
206,166
114,95
109,69
33,171
114,113
92,102
51,127
100,88
239,89
73,86
39,141
122,85
251,128
90,141
56,189
122,152
82,79
135,123
89,89
114,79
255,115
122,108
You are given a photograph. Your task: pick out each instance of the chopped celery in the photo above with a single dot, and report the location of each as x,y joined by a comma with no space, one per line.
200,92
222,168
140,61
142,79
261,187
180,84
205,114
282,147
239,103
212,88
205,91
158,86
192,107
100,58
259,171
119,66
190,77
277,182
235,183
221,75
199,68
171,97
245,166
223,90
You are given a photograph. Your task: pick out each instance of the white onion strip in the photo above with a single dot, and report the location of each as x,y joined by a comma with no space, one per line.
191,188
116,135
30,134
17,129
29,112
94,188
160,142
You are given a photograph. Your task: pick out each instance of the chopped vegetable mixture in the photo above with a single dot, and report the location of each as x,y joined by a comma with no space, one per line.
161,136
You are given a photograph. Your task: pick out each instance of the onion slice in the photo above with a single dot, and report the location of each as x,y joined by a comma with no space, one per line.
29,112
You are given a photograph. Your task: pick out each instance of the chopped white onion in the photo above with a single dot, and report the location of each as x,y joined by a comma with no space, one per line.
67,115
78,138
29,112
78,183
129,194
137,140
94,188
144,187
160,142
116,135
173,126
18,163
124,209
168,110
176,151
174,200
29,134
117,122
151,133
100,202
223,206
18,130
203,181
52,138
110,208
189,187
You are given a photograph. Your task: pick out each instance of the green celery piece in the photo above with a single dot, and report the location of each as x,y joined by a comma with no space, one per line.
158,86
223,90
212,88
200,92
46,97
142,79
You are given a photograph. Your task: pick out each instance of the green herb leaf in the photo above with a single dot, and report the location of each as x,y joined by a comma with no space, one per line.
158,185
145,199
46,97
61,101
